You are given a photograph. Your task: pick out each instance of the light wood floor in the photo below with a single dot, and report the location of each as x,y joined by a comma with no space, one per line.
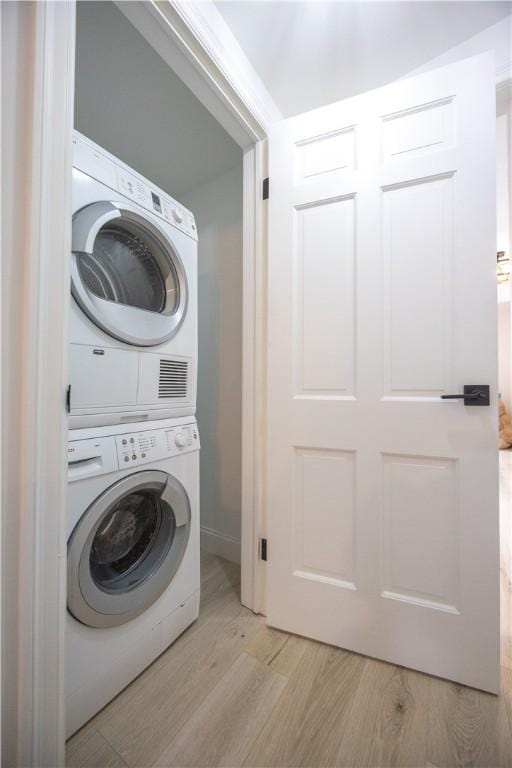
231,692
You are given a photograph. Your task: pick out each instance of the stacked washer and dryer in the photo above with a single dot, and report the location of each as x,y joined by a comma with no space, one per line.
133,450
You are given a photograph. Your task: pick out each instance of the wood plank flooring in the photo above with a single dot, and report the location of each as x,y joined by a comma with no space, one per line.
231,692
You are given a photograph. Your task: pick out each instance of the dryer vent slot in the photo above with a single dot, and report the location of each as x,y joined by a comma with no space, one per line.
173,379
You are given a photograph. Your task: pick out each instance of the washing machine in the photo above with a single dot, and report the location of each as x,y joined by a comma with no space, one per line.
133,324
133,554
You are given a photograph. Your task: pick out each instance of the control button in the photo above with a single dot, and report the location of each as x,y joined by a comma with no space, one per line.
134,457
177,215
143,455
180,440
124,442
126,458
132,440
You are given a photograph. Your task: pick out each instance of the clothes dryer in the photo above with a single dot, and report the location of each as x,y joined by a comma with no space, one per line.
133,325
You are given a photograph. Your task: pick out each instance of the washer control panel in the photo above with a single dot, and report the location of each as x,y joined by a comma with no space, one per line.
142,447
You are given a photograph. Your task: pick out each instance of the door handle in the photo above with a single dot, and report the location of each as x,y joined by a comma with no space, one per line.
474,394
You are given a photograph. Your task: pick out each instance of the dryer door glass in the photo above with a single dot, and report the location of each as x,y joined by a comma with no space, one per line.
129,267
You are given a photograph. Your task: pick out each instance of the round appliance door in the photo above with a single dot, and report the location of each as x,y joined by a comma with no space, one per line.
126,275
126,548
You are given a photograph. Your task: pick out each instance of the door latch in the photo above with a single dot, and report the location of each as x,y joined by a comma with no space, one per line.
474,394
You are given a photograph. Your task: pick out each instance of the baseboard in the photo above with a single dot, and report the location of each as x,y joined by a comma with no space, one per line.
219,544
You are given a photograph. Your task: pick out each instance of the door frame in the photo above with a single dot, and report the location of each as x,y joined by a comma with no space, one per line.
207,58
35,368
190,47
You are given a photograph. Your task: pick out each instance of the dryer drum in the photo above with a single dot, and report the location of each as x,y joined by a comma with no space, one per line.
126,548
125,269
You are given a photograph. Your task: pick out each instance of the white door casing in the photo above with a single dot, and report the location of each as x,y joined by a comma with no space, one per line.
383,498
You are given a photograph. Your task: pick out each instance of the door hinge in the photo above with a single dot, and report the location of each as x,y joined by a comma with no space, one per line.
263,549
266,184
68,399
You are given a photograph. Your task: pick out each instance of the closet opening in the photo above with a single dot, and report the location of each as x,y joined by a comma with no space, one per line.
158,190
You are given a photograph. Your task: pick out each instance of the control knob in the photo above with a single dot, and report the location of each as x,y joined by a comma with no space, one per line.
180,440
176,214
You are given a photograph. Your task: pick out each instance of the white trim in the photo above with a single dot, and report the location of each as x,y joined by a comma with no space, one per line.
190,46
254,376
45,427
223,49
196,43
249,544
503,95
504,75
259,517
46,35
2,511
220,544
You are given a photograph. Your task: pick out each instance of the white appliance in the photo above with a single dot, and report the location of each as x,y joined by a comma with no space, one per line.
133,554
133,325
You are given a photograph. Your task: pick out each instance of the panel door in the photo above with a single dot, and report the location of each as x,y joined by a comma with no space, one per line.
382,496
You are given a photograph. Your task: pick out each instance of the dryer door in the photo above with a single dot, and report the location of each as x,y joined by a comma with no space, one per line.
126,274
126,548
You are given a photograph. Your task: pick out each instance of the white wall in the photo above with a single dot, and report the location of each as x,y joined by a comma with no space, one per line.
313,53
496,38
218,210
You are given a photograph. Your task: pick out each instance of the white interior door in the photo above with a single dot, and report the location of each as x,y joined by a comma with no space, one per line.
383,497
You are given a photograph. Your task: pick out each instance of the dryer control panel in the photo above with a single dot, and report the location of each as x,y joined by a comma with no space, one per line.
101,165
142,447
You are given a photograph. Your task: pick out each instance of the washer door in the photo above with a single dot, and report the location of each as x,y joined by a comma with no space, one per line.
126,274
126,548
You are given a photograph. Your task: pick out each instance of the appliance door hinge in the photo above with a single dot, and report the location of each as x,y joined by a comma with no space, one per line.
68,399
263,549
266,184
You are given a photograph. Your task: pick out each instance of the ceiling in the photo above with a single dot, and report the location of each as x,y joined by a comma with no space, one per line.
131,103
312,53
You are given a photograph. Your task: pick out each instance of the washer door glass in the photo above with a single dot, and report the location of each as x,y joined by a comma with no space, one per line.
126,274
130,542
126,548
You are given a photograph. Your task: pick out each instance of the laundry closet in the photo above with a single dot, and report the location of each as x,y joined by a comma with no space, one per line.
155,343
128,101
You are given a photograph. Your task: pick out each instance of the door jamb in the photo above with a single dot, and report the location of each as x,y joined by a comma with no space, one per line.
182,34
209,63
35,364
254,377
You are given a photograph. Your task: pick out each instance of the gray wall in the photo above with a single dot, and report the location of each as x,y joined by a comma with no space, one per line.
131,103
218,209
